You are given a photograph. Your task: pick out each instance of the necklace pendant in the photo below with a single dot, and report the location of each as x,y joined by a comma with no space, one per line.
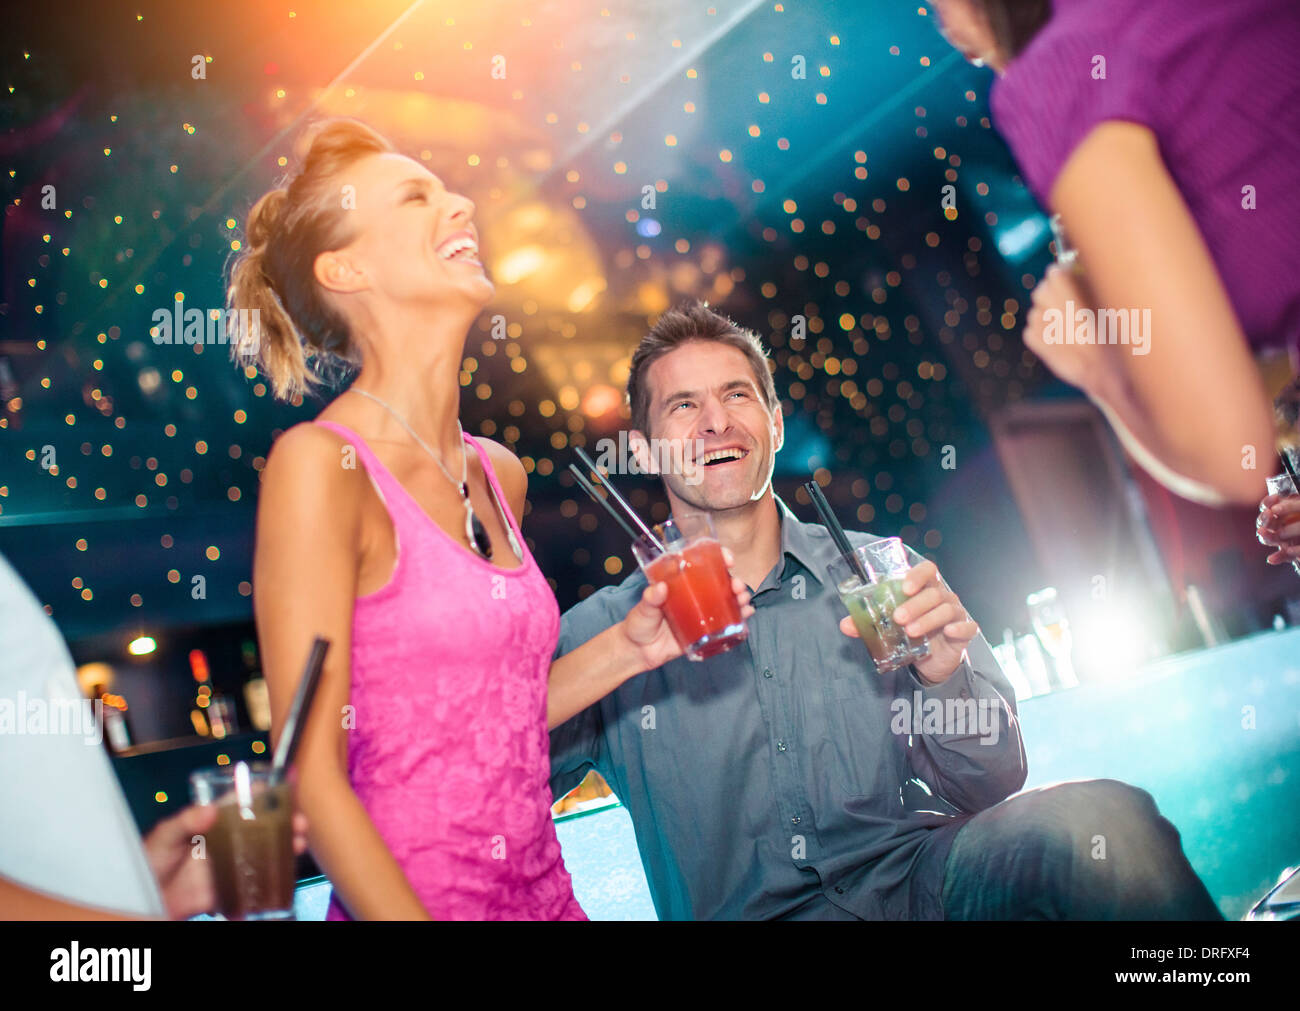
477,533
475,530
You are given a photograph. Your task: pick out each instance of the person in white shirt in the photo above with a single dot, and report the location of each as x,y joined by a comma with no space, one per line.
69,848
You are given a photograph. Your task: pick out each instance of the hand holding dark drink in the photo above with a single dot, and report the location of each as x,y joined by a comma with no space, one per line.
253,832
187,884
249,845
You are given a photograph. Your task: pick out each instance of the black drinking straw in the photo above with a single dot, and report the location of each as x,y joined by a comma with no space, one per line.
814,491
297,719
628,511
1286,463
590,489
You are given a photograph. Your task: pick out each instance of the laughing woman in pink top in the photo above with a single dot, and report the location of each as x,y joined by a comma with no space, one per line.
383,527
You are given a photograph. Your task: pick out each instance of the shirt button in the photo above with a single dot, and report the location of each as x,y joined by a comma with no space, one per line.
767,672
795,820
780,745
965,694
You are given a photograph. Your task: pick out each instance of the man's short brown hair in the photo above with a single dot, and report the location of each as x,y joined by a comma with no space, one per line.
692,321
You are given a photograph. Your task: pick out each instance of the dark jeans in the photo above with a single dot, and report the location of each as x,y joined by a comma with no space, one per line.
1091,850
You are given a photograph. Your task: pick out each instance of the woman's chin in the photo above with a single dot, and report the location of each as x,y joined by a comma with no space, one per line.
474,293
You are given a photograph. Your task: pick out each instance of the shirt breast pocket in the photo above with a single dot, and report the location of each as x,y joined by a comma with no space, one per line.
853,731
855,686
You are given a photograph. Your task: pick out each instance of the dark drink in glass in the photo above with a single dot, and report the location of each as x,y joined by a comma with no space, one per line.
250,845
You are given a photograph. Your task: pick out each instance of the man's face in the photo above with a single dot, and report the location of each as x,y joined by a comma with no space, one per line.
707,406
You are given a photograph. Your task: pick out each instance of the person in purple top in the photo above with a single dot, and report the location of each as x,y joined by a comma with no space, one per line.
1165,133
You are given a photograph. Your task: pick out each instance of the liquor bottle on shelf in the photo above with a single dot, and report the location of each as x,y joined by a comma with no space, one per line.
257,699
1005,652
117,729
221,715
1053,631
213,714
1033,664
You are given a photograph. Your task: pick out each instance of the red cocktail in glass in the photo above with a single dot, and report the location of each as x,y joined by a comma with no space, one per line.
701,609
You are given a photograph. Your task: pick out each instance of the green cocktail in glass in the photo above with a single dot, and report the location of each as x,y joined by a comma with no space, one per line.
871,605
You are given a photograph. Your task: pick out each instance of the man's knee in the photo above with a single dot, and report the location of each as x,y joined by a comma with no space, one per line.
1121,839
1090,818
1108,811
1118,798
1099,849
1077,824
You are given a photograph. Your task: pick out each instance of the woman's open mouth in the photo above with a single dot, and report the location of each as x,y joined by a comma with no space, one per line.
460,248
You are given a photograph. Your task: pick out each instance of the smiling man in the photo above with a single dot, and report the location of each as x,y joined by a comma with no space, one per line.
775,781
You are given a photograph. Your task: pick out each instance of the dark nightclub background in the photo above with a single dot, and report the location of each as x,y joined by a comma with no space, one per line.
825,173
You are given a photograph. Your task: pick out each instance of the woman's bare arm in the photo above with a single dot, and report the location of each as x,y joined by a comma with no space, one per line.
18,902
1189,408
304,585
594,669
641,641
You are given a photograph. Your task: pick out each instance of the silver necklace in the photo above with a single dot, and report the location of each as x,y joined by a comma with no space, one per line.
474,529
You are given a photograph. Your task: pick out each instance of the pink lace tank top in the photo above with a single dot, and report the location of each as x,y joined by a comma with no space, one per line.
449,751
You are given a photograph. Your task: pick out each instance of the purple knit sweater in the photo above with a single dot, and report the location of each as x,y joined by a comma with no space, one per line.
1218,83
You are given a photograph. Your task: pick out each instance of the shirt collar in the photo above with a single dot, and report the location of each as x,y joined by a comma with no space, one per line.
806,543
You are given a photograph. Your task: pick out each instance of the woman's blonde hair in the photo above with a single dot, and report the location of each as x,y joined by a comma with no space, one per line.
296,328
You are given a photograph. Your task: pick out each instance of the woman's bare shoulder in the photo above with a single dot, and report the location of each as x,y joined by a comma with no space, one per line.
504,461
509,470
305,442
312,465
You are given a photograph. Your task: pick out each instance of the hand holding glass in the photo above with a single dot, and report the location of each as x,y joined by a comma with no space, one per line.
1281,484
701,609
872,605
251,842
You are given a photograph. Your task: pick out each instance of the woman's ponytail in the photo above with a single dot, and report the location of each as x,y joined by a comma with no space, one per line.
290,324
